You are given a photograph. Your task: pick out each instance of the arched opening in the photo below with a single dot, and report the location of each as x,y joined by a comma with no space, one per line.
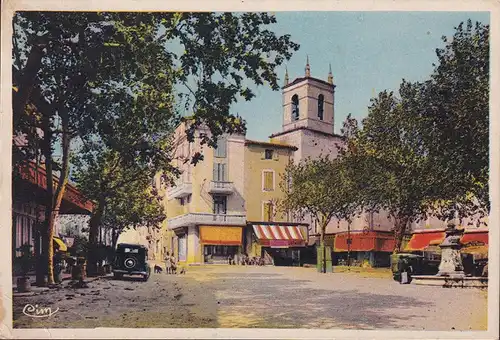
321,100
295,107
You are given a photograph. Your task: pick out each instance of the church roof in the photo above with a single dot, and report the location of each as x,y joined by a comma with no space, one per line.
301,79
276,145
309,129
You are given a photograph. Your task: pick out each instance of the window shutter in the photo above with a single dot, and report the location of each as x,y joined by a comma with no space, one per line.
215,171
268,181
223,172
220,151
224,147
266,212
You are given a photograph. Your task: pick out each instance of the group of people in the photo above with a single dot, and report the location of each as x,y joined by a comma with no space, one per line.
246,260
170,264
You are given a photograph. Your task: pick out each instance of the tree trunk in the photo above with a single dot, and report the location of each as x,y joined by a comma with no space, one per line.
399,232
42,269
322,245
113,241
349,244
61,188
94,224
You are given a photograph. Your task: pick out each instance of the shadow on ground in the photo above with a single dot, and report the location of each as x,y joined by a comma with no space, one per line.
270,301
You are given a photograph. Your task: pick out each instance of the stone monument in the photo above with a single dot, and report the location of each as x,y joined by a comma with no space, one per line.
451,259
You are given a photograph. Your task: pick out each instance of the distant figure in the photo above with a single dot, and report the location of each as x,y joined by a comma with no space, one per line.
405,270
173,265
168,263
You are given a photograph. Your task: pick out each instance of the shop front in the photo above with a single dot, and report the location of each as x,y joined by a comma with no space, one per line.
363,248
218,243
279,244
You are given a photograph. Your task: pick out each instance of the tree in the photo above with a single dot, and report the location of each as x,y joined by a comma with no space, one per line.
426,151
455,115
46,91
79,68
128,200
320,188
389,165
138,113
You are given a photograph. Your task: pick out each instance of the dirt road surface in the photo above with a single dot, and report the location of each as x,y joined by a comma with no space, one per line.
261,297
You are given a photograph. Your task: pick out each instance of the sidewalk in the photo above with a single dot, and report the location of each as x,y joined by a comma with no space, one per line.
65,277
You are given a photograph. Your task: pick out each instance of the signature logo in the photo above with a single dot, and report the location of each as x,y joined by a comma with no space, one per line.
38,312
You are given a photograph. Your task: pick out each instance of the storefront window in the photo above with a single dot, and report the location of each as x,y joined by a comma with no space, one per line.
220,250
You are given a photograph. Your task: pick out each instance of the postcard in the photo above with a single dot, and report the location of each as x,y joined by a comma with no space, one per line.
249,170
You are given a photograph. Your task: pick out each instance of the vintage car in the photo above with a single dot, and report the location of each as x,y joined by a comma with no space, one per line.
131,259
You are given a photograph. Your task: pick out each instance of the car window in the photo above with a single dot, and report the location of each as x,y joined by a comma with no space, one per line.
132,251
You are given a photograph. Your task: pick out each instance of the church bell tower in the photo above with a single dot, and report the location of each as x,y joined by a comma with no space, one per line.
308,103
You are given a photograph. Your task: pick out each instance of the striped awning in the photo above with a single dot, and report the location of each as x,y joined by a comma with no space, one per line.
278,236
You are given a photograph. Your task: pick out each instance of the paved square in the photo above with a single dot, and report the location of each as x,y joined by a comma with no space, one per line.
261,297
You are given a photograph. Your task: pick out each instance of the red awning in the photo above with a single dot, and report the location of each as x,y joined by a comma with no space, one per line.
279,236
420,241
473,236
364,241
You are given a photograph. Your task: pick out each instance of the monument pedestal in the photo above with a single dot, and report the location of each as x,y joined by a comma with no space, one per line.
451,270
451,259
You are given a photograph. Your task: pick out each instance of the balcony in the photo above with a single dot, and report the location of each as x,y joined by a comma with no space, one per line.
203,218
179,191
220,187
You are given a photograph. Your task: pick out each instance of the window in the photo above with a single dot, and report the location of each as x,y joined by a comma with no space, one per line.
220,151
295,107
268,154
268,180
219,172
321,100
220,205
268,211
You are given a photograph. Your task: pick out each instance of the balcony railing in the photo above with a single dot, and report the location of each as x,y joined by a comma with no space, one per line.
221,187
180,190
203,218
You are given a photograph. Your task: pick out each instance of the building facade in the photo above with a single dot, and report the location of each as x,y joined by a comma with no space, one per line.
308,124
226,205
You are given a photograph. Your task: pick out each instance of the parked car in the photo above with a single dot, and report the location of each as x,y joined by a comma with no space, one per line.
131,259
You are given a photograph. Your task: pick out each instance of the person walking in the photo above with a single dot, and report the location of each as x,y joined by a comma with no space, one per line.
168,263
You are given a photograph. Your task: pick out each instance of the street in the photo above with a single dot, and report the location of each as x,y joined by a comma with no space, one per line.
258,297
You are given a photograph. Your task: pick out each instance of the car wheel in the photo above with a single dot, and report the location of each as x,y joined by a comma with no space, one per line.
145,278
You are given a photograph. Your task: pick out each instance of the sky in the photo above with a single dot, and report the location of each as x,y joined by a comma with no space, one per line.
369,52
